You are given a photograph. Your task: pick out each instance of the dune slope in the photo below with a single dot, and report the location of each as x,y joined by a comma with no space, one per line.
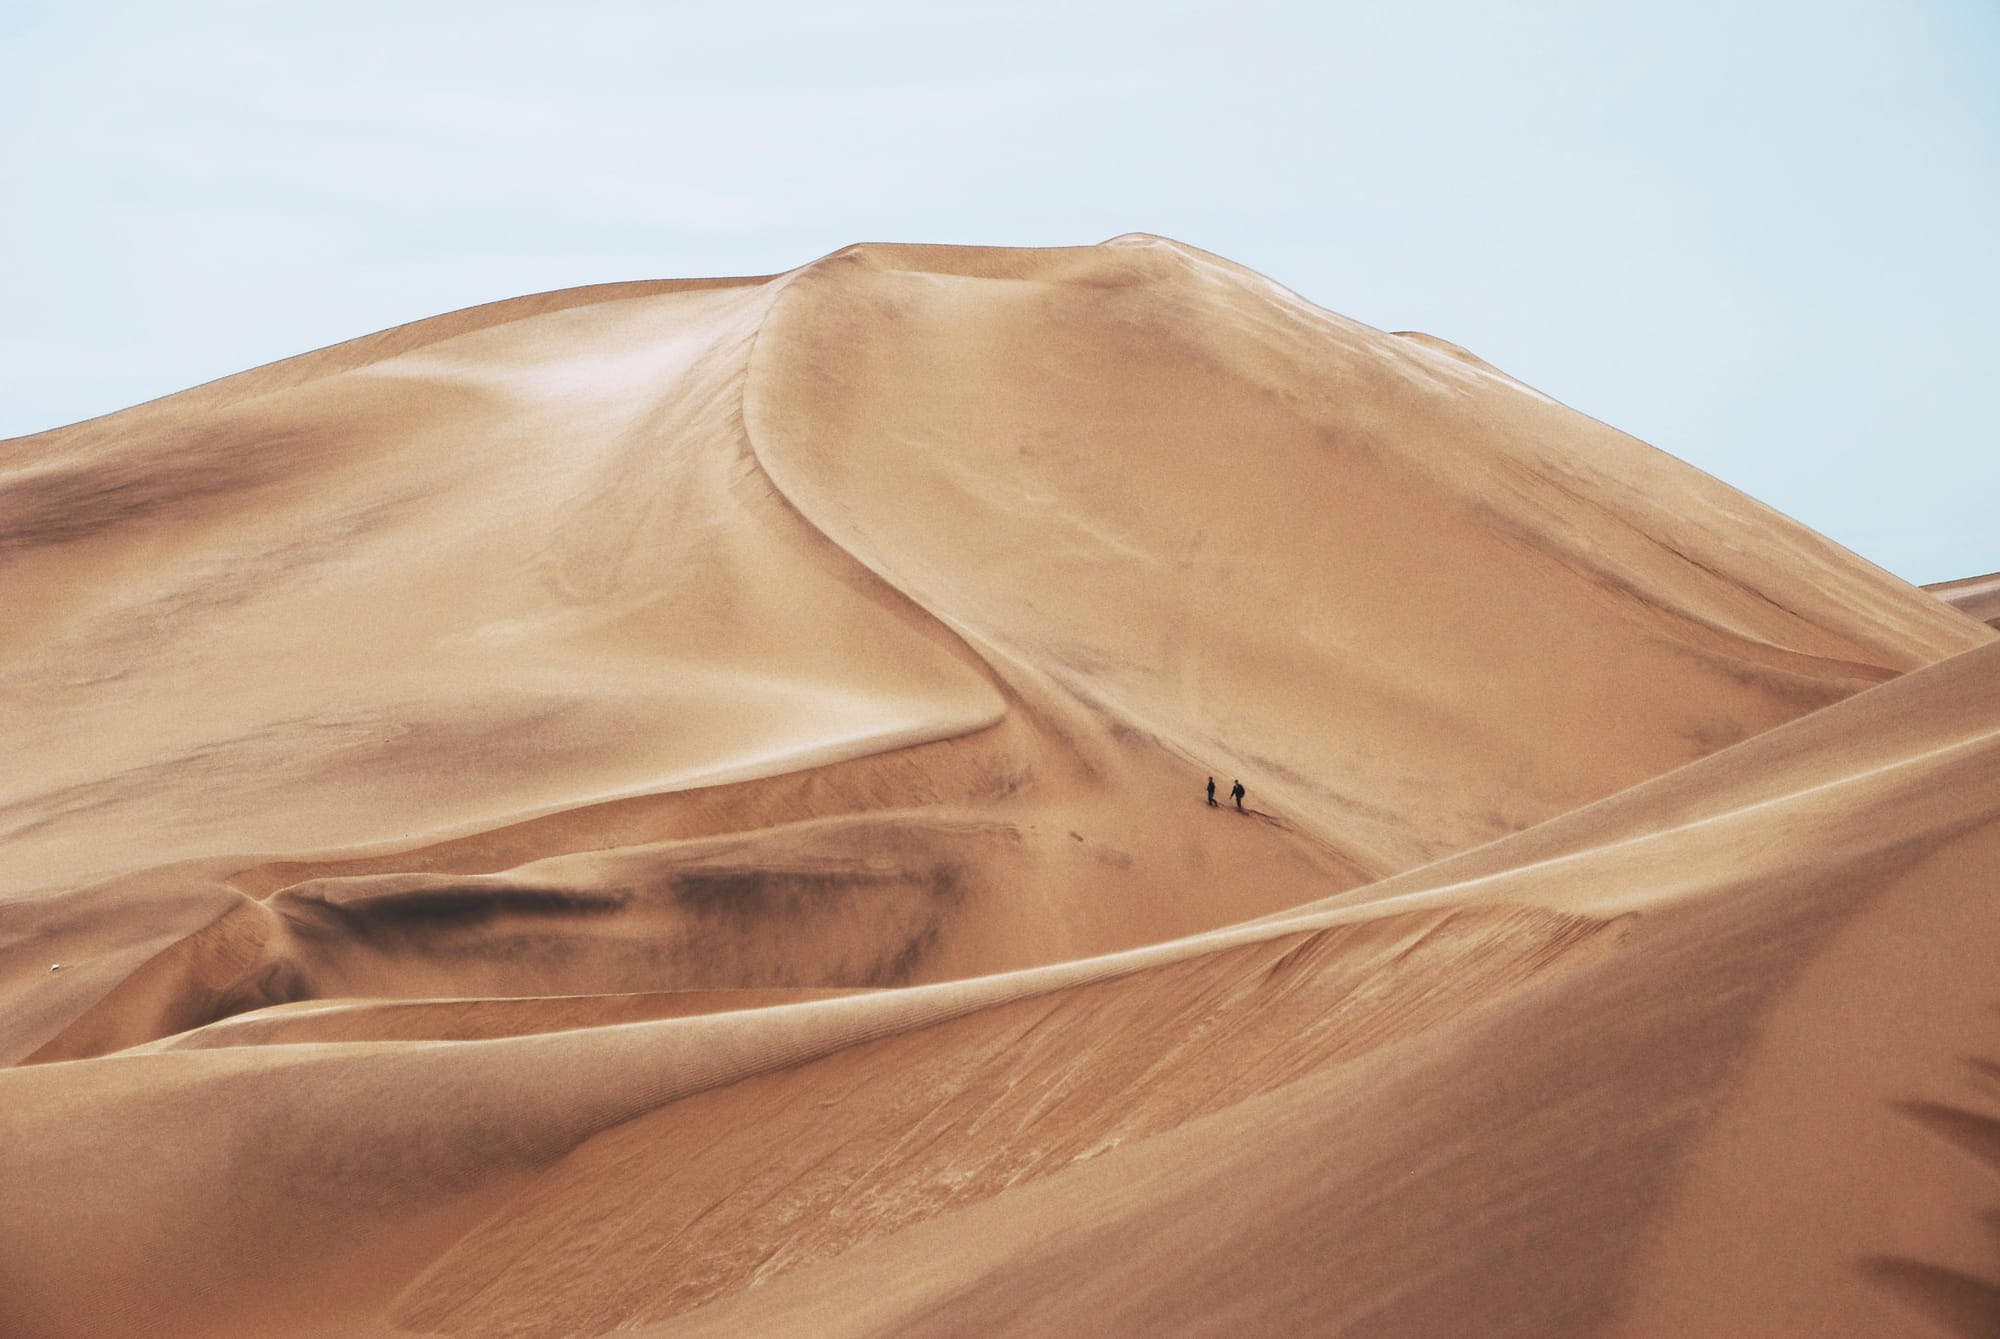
1770,1109
679,805
1977,596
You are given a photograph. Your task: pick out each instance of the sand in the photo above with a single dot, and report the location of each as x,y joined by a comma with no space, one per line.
678,808
1977,596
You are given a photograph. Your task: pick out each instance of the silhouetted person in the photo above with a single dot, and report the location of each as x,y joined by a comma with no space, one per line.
1211,792
1236,793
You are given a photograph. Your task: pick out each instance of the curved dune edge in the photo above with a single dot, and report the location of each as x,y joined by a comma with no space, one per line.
469,1019
1588,1183
961,1111
751,874
1769,1111
348,355
1978,597
1758,930
550,689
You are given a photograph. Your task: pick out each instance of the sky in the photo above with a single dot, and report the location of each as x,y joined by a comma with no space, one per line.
1761,236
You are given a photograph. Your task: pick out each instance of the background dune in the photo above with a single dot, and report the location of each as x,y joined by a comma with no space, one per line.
679,806
1977,596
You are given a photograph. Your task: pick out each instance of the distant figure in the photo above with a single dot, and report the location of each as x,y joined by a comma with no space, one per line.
1211,792
1236,793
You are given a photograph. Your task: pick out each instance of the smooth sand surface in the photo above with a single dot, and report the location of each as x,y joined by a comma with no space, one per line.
1977,596
677,808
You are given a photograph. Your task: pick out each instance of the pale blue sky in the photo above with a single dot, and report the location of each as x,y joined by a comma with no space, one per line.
1759,235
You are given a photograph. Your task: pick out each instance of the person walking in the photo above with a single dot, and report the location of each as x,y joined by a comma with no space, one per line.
1211,792
1236,793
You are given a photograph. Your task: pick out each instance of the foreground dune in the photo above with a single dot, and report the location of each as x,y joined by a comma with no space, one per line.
678,807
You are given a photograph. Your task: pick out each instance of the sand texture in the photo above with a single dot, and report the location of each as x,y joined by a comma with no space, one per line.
1977,596
677,808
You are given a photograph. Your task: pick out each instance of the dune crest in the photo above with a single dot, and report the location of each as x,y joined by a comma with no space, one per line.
659,807
1977,596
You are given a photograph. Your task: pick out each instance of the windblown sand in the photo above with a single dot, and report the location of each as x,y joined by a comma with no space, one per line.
678,809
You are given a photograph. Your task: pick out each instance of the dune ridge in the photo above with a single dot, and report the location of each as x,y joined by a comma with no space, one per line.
1977,596
677,807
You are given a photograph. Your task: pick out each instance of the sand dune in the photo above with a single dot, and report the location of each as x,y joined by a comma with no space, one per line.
1977,596
1769,1109
678,807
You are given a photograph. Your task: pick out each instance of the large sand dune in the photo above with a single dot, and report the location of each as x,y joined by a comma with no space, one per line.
677,807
